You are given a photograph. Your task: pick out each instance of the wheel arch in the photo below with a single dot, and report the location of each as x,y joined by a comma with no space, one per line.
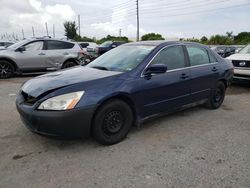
10,61
70,59
123,97
224,81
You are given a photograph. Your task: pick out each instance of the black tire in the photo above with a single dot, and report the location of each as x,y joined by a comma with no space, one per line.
68,64
6,69
112,122
217,96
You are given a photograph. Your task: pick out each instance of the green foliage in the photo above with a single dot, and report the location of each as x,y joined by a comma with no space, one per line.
220,40
242,38
192,40
71,32
70,29
152,36
204,40
112,38
227,39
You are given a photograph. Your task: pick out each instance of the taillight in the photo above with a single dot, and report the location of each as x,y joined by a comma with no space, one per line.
82,53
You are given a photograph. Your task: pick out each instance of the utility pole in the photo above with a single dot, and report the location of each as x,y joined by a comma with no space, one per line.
137,13
79,24
46,26
54,34
120,32
23,34
33,31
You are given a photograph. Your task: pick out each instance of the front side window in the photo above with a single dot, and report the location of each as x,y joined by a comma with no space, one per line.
173,57
197,55
34,46
59,45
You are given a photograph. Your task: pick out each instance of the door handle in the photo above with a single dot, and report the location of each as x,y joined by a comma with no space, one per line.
65,53
184,76
41,54
214,69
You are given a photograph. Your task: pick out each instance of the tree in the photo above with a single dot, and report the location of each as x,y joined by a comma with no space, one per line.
242,38
152,36
70,29
112,38
220,40
204,40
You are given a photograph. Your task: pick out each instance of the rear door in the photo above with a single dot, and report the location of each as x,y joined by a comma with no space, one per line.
57,53
204,71
33,58
167,91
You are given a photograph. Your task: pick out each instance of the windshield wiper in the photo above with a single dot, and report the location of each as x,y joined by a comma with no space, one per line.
100,67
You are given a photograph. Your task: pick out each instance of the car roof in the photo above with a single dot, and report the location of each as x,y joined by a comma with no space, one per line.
160,42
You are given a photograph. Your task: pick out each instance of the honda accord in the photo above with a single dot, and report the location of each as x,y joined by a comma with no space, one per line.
122,88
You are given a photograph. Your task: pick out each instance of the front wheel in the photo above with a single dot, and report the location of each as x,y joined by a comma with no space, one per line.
112,122
6,69
217,96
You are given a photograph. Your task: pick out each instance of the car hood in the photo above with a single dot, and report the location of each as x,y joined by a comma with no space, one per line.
41,84
243,57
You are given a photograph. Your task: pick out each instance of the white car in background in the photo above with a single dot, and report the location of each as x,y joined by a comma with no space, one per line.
5,44
241,62
88,46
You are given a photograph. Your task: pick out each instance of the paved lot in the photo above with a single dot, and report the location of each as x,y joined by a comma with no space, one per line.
192,148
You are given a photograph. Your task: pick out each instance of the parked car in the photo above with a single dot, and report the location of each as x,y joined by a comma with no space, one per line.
5,44
224,51
123,88
88,46
108,45
241,62
89,49
39,55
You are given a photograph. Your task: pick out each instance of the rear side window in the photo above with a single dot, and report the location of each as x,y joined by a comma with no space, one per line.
197,56
59,45
212,58
172,57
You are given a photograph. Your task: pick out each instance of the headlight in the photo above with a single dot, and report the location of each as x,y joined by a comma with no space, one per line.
62,102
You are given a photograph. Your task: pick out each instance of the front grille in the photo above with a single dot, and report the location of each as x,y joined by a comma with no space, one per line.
238,63
242,76
28,99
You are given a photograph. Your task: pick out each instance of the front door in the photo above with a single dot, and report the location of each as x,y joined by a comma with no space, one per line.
33,57
167,91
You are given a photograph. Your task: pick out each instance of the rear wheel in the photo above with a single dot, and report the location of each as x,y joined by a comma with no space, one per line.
68,64
217,96
112,122
6,69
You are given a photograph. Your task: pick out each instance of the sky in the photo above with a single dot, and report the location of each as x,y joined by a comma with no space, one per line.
171,18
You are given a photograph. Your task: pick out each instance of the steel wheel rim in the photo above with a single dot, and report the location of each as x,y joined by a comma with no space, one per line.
113,122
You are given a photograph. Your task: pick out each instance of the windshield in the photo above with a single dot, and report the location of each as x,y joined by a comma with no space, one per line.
106,44
18,44
122,59
245,50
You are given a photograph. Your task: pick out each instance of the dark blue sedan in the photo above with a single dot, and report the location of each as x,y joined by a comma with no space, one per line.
122,88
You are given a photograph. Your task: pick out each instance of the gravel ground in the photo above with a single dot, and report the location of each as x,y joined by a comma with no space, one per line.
193,148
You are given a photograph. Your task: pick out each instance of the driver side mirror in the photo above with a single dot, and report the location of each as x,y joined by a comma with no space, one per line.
20,49
155,69
113,46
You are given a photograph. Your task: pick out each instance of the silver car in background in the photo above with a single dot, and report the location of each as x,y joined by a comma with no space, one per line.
39,55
